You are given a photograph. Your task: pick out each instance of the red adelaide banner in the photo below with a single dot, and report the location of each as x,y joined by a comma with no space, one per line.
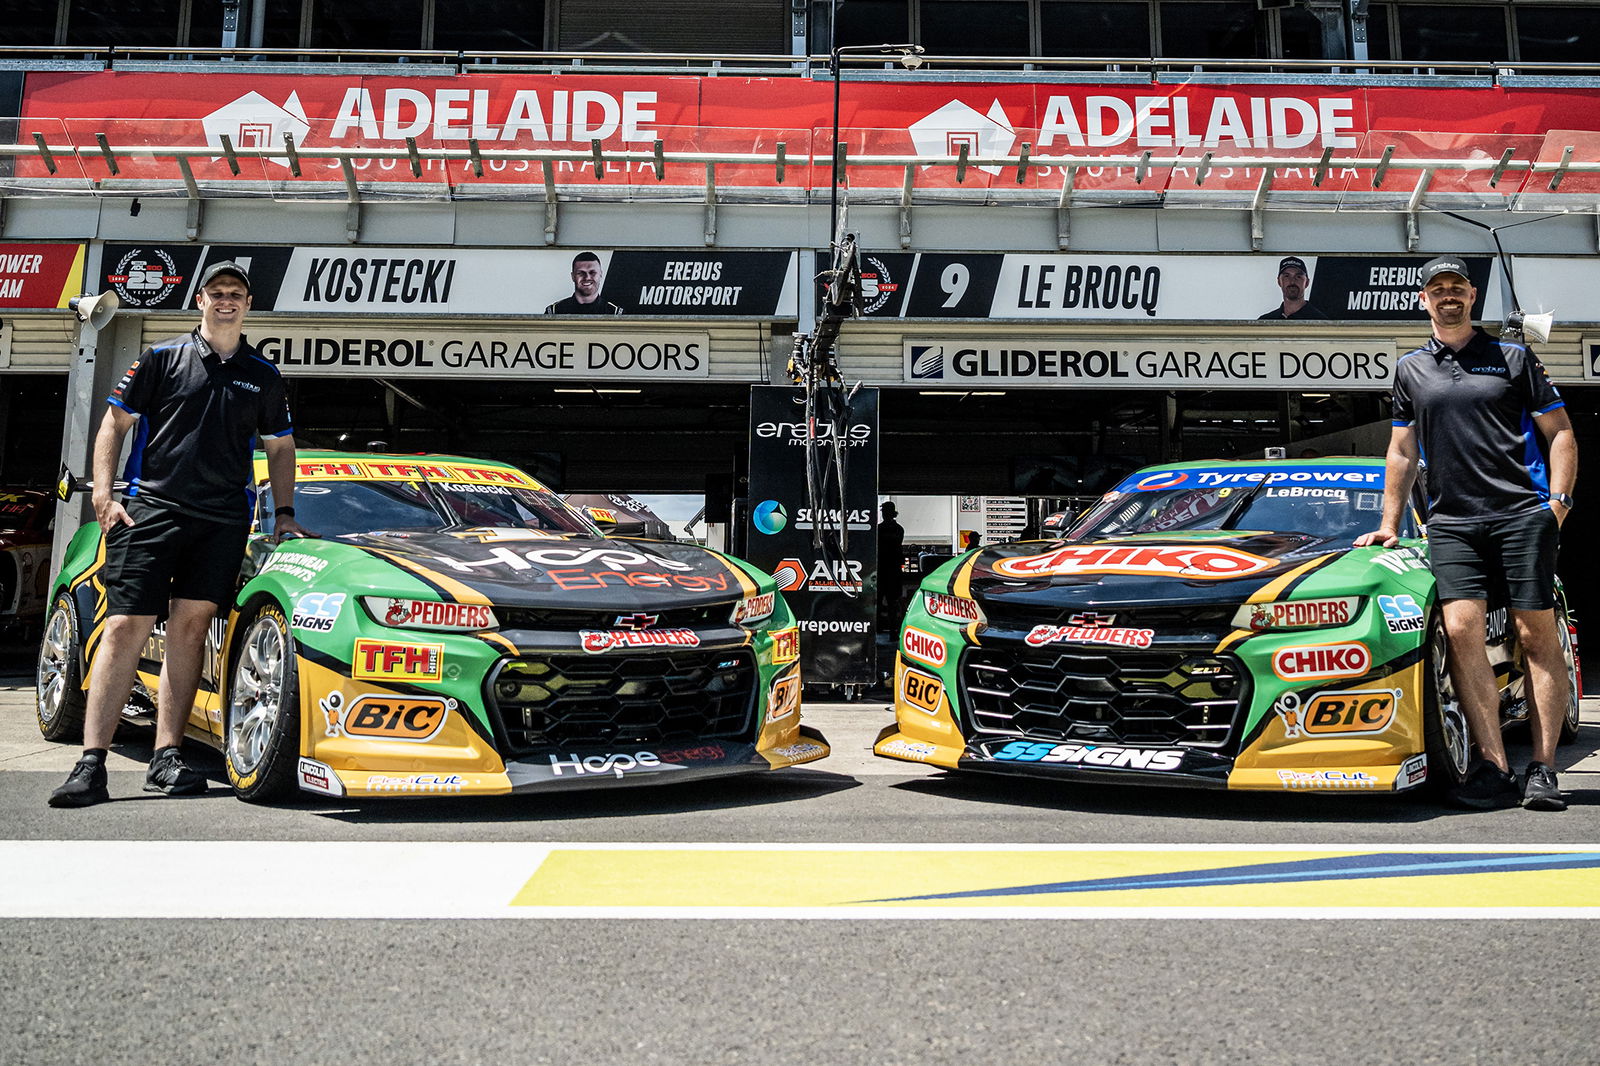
730,115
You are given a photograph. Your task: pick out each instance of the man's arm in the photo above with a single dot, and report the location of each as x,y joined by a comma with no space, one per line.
1558,436
280,472
114,426
1399,473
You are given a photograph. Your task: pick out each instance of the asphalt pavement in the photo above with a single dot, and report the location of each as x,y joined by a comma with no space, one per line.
868,989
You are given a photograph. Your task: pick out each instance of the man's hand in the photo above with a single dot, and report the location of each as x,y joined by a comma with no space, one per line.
1387,537
284,526
109,513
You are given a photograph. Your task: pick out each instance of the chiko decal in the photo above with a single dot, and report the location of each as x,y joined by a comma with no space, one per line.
1210,563
923,646
1320,662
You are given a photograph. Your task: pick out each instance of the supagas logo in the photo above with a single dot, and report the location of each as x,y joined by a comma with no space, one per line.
1163,560
770,516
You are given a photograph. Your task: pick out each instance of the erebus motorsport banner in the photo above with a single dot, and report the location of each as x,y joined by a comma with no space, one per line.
506,282
1141,288
731,115
835,601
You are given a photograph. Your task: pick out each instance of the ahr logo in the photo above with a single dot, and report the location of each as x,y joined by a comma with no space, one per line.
253,121
956,124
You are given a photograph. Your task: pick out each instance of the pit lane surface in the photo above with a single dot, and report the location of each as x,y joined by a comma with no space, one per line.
755,989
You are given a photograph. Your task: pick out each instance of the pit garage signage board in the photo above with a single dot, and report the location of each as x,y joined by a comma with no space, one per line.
39,276
574,353
463,281
1187,364
835,600
1145,288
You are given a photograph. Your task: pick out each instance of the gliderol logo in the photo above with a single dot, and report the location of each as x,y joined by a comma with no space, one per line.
927,361
770,517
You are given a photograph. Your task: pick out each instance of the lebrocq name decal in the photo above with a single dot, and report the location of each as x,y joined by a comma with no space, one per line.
437,353
1225,363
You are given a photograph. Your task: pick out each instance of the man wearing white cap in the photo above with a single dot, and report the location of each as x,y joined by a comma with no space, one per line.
1471,404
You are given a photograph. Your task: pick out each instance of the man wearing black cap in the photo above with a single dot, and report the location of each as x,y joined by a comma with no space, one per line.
587,280
173,544
1293,281
1471,404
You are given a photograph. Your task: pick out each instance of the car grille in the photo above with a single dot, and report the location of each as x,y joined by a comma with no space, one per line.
568,701
1171,621
1130,696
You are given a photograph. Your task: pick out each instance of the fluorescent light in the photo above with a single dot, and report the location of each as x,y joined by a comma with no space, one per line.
586,392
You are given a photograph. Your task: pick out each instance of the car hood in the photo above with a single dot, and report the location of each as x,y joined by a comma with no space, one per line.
1226,567
515,569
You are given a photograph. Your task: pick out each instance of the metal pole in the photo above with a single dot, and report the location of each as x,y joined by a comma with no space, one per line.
833,68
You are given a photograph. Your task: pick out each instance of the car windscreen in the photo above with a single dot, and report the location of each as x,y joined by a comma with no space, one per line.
334,508
1323,510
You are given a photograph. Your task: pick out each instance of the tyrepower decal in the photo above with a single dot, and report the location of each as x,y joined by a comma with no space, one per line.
597,641
921,691
924,647
1092,755
385,717
1337,714
1046,634
1210,563
382,660
1319,662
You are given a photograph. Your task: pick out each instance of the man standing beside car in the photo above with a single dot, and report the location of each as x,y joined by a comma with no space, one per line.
173,545
1472,404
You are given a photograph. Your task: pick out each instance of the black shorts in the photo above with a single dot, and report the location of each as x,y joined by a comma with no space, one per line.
1517,554
167,554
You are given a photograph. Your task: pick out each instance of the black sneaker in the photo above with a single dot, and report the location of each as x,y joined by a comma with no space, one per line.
1540,791
85,785
1487,788
170,774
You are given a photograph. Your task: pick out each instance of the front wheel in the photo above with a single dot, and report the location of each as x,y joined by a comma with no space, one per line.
261,744
1444,724
1569,721
58,681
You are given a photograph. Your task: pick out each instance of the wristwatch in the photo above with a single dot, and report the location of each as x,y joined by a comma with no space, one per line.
1562,498
284,510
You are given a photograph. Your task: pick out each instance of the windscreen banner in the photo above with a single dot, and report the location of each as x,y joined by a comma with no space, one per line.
835,600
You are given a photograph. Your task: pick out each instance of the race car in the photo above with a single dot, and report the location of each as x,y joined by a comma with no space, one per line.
1204,624
27,517
455,628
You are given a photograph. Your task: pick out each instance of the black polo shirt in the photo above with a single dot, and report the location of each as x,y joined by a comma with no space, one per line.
571,306
1473,412
199,417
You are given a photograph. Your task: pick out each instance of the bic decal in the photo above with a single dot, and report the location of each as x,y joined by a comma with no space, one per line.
924,647
1321,662
380,660
1337,714
408,718
1165,560
921,691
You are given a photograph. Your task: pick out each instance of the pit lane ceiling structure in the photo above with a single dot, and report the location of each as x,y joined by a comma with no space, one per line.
1220,172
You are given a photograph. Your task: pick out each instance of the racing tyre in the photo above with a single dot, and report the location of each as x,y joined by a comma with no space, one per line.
1569,721
58,682
1444,724
261,730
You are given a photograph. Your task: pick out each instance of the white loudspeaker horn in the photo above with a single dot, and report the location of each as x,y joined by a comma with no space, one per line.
95,310
1537,327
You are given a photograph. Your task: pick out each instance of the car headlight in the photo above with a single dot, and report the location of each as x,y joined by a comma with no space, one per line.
958,609
430,614
753,610
1298,614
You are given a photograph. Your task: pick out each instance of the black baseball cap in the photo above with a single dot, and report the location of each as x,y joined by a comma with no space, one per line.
1292,262
1445,264
226,266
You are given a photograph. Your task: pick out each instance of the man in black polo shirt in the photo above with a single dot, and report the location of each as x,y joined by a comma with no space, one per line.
173,545
1473,404
587,281
1293,282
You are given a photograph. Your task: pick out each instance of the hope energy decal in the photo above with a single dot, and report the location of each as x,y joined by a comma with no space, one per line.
1209,563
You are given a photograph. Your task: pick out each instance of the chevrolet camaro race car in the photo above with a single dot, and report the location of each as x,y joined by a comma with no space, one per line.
457,629
1205,624
27,517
